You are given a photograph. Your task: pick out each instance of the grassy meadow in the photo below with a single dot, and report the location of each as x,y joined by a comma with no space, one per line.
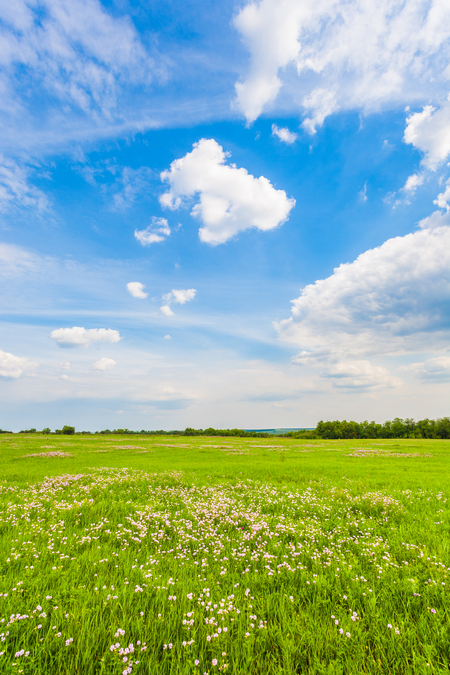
203,555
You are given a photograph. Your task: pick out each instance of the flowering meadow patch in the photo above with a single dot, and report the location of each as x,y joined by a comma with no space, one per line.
121,570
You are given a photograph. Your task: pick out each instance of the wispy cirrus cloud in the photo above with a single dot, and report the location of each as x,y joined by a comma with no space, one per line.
16,189
75,50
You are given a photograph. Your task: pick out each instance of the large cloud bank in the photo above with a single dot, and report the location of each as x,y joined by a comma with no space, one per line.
335,55
392,300
230,199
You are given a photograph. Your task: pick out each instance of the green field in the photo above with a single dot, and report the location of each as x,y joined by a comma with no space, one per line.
206,555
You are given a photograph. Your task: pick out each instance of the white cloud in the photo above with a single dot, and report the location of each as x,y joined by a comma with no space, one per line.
167,337
65,365
284,134
16,189
73,49
392,299
180,297
333,55
15,261
362,194
360,374
429,132
320,103
436,220
82,337
104,364
413,182
131,183
231,200
432,369
154,233
443,199
136,289
14,366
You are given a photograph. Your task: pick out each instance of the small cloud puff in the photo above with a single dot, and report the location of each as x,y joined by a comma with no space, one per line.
284,134
167,337
104,364
82,337
154,233
136,289
14,366
180,297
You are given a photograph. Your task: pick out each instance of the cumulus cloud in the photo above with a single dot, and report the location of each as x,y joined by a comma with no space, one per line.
360,374
436,220
392,299
136,289
179,297
230,199
82,337
342,55
104,364
443,199
154,233
14,366
284,134
432,369
429,132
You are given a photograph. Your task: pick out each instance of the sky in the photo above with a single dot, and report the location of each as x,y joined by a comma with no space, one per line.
230,214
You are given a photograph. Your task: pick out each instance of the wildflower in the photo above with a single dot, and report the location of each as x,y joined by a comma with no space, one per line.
214,662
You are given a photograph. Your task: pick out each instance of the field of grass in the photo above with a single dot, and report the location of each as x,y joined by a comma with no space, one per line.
163,555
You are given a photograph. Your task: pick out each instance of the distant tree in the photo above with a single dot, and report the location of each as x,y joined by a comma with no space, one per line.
46,430
68,431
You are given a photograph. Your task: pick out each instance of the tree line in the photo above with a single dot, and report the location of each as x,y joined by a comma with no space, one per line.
396,428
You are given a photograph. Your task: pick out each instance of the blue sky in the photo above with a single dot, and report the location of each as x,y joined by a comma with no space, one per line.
233,214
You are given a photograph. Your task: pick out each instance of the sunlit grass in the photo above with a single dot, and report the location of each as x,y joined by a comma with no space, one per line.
218,555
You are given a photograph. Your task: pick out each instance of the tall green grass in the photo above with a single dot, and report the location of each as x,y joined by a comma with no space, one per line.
223,555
